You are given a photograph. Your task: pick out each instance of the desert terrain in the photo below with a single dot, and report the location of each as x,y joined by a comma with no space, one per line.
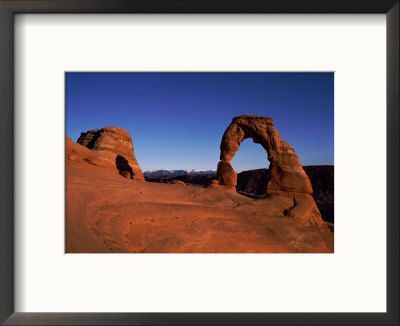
253,183
109,213
110,208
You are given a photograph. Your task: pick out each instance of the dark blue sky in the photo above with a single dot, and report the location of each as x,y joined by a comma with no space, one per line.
177,119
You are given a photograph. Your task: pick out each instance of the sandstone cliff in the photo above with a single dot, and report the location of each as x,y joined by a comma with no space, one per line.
114,145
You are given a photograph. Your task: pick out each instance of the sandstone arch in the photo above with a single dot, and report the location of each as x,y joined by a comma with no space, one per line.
287,177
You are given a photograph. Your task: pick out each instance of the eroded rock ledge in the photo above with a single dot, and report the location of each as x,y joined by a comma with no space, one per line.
115,145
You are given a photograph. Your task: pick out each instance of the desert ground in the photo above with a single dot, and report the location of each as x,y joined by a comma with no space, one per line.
108,212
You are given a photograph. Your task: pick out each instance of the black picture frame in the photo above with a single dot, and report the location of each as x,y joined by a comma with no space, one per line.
8,8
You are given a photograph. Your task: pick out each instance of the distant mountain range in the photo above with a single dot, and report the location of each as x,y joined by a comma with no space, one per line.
176,173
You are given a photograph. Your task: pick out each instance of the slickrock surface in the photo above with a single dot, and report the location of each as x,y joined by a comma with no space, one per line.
287,178
106,212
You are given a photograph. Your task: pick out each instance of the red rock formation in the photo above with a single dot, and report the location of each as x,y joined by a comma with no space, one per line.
115,145
287,177
106,212
77,153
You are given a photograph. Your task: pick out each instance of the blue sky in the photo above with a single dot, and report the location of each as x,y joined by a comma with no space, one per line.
177,120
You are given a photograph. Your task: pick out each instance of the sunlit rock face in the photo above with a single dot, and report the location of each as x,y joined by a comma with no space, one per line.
115,145
286,177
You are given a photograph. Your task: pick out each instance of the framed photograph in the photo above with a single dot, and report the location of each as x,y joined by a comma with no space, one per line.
165,190
175,163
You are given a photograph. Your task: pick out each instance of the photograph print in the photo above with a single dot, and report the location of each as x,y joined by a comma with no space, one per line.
199,162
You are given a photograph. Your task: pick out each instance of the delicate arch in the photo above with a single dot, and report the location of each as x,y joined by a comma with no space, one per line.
286,175
286,172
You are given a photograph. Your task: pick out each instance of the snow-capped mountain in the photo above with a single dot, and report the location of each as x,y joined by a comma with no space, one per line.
202,172
164,173
176,173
